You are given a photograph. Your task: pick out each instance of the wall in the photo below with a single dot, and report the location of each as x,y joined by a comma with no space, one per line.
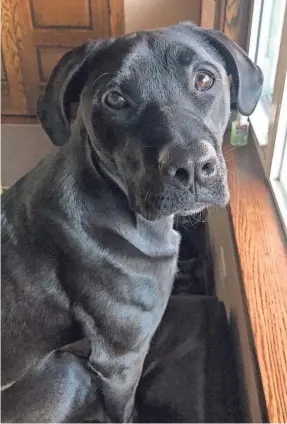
147,14
22,147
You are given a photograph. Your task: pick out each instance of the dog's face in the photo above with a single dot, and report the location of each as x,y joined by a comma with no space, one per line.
155,106
158,117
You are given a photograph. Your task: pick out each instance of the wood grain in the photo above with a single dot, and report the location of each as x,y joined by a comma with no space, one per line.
16,120
232,18
12,50
3,70
76,13
237,20
262,252
5,96
117,26
31,27
220,14
207,18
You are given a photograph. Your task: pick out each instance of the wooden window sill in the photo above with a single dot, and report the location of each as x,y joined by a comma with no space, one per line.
262,255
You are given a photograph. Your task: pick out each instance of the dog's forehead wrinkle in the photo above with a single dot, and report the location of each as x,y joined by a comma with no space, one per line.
197,43
189,33
134,59
155,50
156,80
159,57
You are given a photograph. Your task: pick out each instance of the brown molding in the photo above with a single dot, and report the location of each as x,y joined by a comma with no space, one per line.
12,50
262,251
14,119
116,18
220,15
63,27
208,14
233,17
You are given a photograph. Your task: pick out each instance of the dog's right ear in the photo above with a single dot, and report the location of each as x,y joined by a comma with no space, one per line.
64,88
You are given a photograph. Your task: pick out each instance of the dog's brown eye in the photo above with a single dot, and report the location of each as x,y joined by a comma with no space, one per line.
115,100
203,81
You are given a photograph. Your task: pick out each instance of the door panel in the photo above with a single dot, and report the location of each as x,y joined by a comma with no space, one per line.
35,35
76,14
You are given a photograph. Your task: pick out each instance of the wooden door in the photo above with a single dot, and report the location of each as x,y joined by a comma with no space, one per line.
36,33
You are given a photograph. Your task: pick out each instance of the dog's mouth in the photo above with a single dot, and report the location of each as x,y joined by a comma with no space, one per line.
153,206
197,208
156,196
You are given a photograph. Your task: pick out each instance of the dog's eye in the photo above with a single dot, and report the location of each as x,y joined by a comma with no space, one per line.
203,81
115,100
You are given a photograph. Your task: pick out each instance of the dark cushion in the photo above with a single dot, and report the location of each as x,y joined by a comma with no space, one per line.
189,374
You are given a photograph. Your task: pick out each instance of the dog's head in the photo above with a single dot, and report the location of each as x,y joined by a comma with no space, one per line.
155,106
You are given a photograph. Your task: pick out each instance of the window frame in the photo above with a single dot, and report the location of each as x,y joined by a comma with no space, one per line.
280,148
268,146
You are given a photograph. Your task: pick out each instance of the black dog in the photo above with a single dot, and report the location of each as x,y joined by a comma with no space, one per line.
88,243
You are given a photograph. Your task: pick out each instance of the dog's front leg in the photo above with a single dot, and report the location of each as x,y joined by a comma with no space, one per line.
117,370
118,386
58,389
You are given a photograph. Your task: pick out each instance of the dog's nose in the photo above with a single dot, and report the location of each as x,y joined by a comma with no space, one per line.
177,163
207,167
186,169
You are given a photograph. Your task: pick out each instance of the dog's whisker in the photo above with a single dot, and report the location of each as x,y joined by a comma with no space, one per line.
193,221
229,171
231,150
146,197
184,226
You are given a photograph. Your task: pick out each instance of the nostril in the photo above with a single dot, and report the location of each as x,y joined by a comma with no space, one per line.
182,175
208,169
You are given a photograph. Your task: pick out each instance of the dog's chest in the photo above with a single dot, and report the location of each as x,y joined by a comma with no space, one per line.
125,280
144,256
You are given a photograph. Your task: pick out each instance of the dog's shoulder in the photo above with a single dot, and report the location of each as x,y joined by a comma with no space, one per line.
16,200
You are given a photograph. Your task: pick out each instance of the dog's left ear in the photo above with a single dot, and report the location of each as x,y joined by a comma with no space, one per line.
64,87
246,76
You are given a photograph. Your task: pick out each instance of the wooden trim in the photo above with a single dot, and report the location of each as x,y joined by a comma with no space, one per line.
229,285
116,16
207,14
67,27
220,15
14,119
236,20
101,26
262,251
233,17
12,47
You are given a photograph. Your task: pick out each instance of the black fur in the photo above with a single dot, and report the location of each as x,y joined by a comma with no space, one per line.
88,246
